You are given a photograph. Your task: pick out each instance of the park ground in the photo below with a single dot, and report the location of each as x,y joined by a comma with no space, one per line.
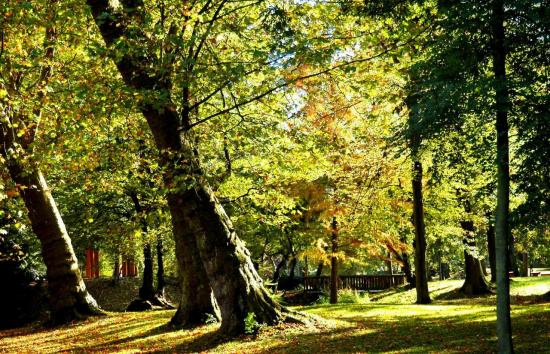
389,323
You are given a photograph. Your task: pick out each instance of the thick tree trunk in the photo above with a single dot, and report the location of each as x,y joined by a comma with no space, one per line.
237,287
475,283
502,102
422,294
69,299
491,251
334,263
196,302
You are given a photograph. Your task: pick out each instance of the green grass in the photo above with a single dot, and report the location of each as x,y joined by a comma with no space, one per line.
389,325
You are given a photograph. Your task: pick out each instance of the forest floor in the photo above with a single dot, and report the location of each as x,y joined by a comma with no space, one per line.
390,323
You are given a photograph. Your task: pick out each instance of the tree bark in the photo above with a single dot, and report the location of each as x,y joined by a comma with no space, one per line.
146,291
292,270
422,294
502,101
277,273
524,264
475,283
69,299
116,269
319,270
334,263
491,251
161,283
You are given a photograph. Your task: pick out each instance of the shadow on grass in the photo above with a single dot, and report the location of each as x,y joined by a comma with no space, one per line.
464,333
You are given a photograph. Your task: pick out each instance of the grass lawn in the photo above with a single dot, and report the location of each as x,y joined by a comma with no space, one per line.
390,325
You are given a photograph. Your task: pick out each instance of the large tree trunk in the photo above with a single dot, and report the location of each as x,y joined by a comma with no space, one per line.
502,102
334,263
200,222
475,283
422,294
69,299
196,302
491,251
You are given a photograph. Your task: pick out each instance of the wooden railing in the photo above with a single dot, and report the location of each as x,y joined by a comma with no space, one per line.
356,282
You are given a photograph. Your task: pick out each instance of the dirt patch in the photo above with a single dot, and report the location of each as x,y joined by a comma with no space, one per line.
116,297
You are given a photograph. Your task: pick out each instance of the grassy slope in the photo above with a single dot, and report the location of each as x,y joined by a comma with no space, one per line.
390,325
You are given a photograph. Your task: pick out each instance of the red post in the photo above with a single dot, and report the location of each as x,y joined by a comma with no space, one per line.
88,263
96,264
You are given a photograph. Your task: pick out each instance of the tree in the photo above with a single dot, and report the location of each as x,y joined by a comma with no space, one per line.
201,226
69,299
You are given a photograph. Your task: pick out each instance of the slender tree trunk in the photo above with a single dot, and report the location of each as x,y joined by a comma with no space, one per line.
491,251
389,264
475,283
147,292
524,264
277,273
319,270
69,299
116,269
513,259
422,294
161,283
334,263
292,270
502,102
407,269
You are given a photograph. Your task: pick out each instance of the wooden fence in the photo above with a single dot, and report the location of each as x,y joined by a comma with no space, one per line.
356,282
